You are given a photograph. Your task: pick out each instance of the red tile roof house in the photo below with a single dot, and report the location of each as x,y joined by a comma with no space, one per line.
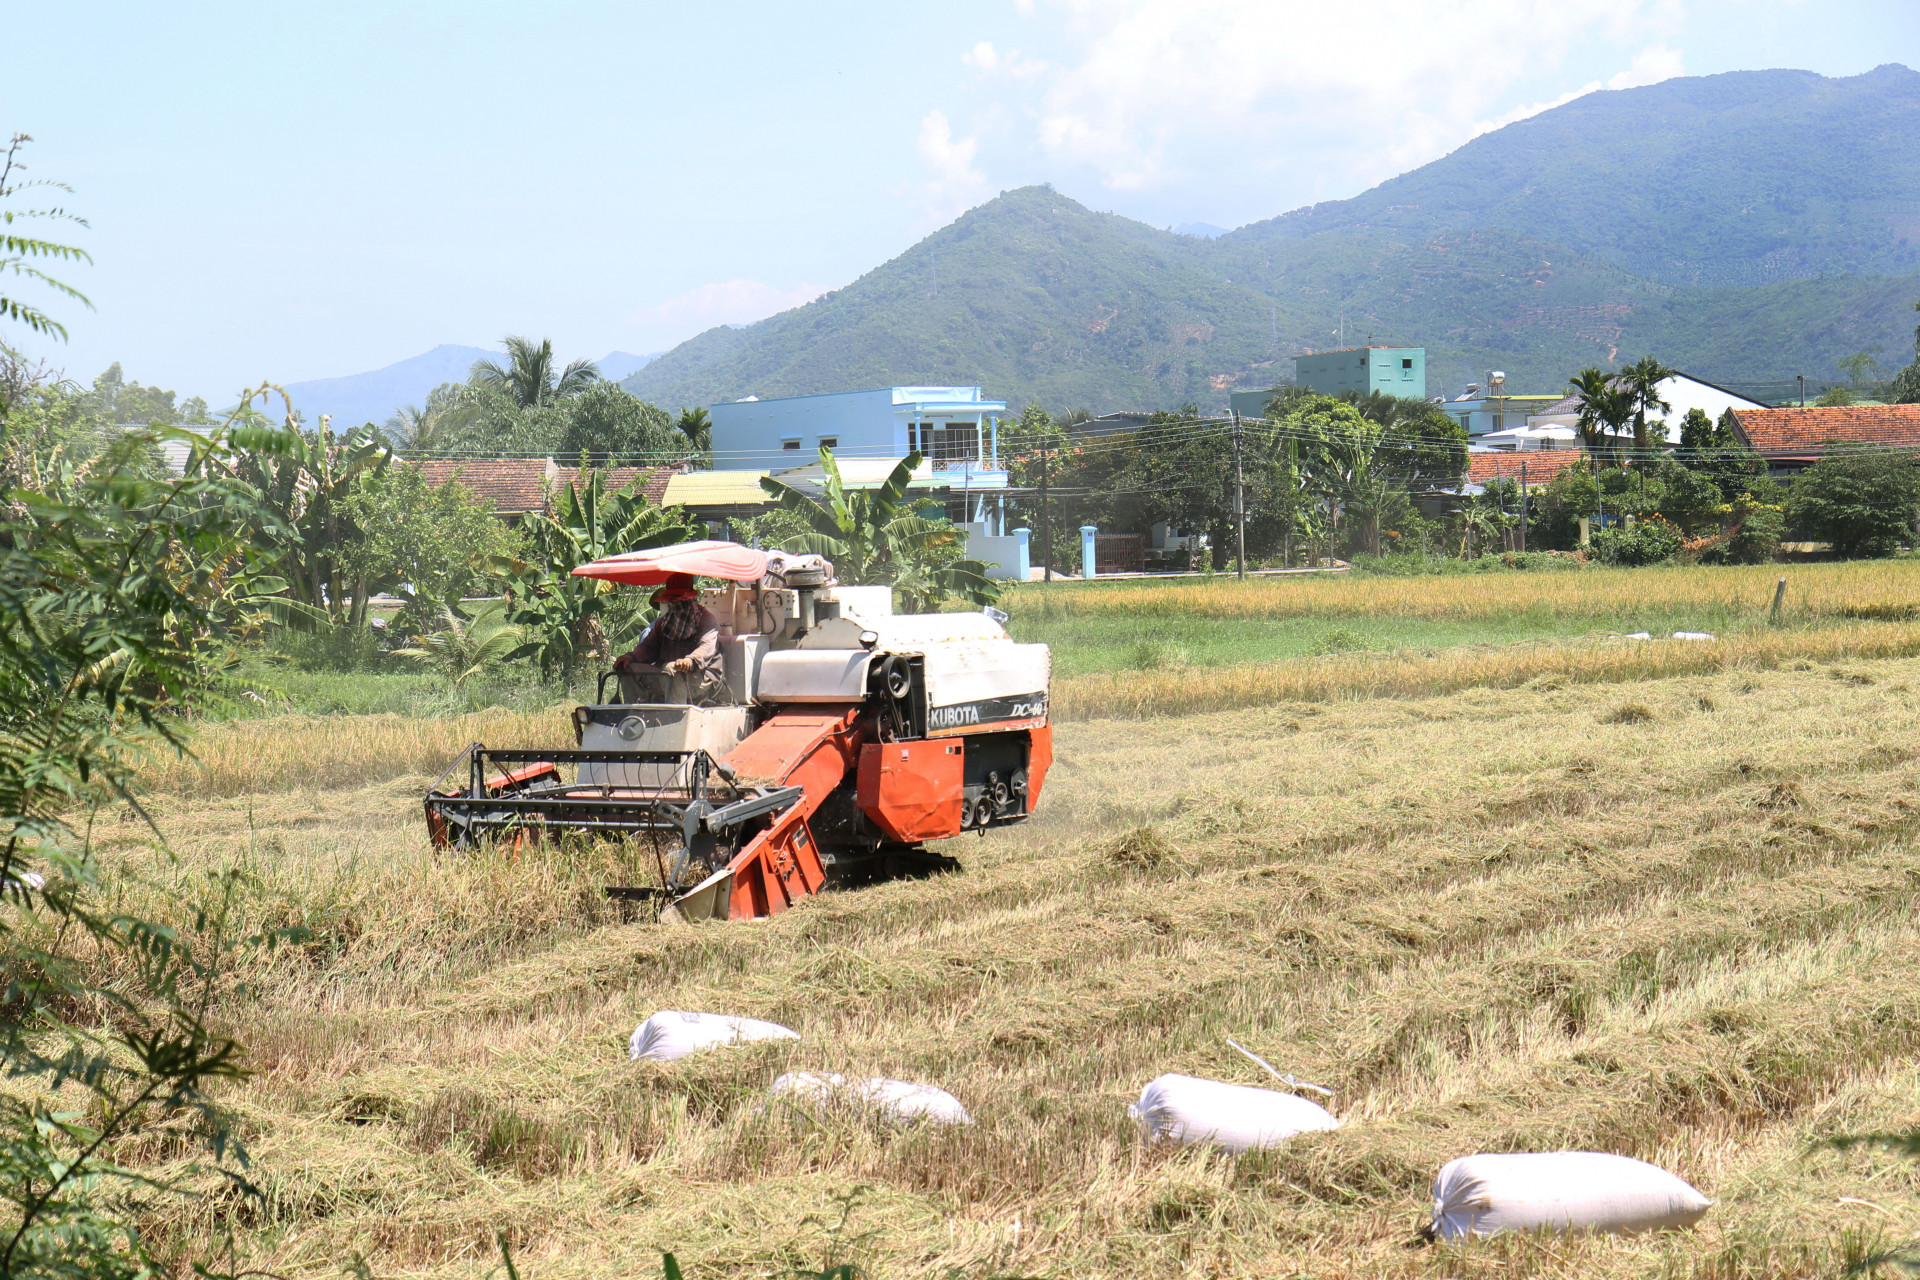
1793,439
1541,465
513,487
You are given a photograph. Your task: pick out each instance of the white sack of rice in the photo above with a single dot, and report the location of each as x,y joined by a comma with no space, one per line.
1233,1117
670,1034
1559,1191
899,1099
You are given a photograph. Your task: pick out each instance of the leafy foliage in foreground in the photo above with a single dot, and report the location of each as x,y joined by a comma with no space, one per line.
18,251
119,593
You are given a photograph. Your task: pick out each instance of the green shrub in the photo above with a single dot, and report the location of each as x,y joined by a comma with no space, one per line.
1419,566
1651,540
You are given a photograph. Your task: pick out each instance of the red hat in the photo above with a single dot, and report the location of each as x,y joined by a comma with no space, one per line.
678,587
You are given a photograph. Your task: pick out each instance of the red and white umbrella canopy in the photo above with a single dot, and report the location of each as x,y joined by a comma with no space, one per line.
706,559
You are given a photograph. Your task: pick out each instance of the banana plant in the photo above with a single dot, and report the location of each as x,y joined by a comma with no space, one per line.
558,613
302,482
877,536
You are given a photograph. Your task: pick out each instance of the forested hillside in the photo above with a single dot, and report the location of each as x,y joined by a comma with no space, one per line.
1745,226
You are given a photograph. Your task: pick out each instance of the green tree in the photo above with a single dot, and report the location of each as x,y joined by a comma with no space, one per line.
18,252
1370,455
612,426
118,401
561,615
1699,433
1859,365
1905,388
1863,503
876,536
1034,448
426,543
1640,381
1556,509
529,377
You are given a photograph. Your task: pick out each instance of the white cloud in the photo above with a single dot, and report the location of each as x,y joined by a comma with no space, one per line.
953,183
1163,93
1651,65
727,302
984,57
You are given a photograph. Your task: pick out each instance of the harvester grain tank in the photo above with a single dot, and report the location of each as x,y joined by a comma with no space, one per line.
847,736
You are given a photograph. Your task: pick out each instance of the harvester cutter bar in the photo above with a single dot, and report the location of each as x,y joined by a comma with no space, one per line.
557,806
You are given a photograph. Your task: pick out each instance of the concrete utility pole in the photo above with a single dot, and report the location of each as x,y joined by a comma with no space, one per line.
1046,520
1523,504
1239,504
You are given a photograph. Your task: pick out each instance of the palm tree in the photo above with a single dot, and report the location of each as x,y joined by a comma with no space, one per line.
406,426
1641,382
1604,409
468,643
529,376
697,427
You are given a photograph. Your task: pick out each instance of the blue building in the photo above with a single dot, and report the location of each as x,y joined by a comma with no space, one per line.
956,430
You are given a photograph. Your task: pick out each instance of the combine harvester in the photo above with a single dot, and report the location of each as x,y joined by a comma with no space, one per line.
850,735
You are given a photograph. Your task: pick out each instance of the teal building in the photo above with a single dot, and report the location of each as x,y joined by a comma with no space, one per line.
1396,371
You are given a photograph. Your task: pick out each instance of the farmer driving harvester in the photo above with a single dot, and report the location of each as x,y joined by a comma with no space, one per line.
836,735
682,643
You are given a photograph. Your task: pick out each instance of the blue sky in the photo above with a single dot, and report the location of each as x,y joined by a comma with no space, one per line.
292,192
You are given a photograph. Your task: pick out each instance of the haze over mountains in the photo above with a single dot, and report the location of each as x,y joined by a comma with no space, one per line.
373,397
1747,226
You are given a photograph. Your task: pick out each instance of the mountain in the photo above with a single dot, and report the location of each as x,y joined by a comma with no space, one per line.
372,397
1744,227
1750,177
1200,230
1034,296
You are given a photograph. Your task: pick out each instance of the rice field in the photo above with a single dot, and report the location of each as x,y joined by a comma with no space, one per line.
1148,625
1657,898
1726,595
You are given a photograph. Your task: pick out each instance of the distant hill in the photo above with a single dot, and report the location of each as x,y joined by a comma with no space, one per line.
373,397
617,365
1742,226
